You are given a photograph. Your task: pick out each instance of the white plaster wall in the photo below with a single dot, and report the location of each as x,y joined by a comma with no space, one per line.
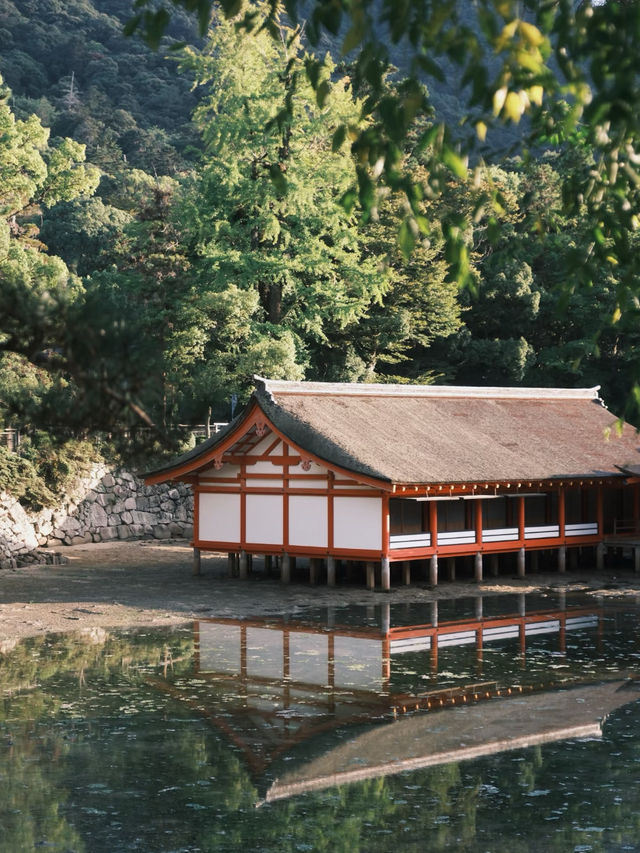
308,525
219,648
264,483
308,657
264,467
219,518
264,519
262,445
357,523
214,474
308,484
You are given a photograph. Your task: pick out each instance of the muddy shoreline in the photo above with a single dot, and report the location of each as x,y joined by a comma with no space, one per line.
131,584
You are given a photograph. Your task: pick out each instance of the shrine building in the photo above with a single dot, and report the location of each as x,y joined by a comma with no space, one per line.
395,480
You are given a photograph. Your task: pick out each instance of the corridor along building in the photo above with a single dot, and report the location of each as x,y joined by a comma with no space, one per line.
400,477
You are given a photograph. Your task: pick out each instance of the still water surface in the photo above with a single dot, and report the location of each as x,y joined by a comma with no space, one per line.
503,724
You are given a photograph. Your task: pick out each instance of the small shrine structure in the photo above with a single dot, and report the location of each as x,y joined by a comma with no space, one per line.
403,477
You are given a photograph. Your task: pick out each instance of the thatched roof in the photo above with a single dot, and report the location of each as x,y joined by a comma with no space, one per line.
417,434
459,734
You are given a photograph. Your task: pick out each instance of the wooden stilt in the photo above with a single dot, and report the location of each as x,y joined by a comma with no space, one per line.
495,565
477,566
371,576
285,568
196,561
385,574
562,558
268,565
433,570
406,572
521,563
314,570
636,559
600,550
452,568
331,571
479,607
243,565
231,564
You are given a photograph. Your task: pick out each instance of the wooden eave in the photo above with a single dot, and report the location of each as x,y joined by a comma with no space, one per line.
253,417
501,487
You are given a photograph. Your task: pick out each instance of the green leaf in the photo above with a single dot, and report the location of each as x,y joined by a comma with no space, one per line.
406,239
455,163
277,176
338,138
322,93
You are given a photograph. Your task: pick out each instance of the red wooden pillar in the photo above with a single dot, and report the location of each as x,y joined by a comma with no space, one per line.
561,511
433,522
521,518
478,522
600,509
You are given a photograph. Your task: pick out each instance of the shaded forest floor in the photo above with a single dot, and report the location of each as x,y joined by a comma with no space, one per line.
129,584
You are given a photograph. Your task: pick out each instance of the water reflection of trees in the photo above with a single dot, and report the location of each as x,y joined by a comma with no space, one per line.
93,758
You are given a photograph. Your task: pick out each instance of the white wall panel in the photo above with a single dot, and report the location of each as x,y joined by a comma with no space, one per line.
308,524
308,484
225,471
219,517
264,519
264,467
357,523
264,483
262,445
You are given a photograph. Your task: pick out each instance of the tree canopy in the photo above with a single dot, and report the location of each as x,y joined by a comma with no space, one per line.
566,73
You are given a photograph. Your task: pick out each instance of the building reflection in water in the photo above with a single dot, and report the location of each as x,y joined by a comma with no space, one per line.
311,706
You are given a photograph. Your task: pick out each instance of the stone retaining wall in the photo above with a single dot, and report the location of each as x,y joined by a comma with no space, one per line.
102,506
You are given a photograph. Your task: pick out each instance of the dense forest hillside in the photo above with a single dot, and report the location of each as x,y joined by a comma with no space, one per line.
166,231
69,63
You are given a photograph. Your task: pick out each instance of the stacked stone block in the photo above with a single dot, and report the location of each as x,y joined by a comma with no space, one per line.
103,506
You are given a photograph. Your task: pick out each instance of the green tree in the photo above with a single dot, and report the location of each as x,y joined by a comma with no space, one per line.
263,215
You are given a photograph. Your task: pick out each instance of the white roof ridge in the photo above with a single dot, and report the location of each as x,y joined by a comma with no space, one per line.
363,389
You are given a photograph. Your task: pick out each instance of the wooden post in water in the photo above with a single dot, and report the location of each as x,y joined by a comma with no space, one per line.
331,571
521,563
494,565
406,572
433,570
314,567
452,568
371,576
385,574
243,565
600,550
562,559
477,563
285,568
196,561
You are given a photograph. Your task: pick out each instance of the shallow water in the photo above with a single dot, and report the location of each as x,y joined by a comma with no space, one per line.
503,724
